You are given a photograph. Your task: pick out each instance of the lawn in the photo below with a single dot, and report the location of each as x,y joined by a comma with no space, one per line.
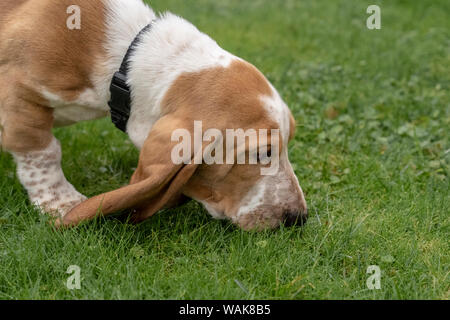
372,154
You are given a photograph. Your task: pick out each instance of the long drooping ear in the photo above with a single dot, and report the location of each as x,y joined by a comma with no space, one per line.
292,126
157,179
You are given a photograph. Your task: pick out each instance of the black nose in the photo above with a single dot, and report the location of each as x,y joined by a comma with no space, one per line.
292,218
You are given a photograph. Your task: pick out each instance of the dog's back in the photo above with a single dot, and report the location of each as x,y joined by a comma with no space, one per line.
38,51
36,42
6,7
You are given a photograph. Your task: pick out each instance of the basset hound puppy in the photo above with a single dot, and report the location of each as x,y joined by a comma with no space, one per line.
155,75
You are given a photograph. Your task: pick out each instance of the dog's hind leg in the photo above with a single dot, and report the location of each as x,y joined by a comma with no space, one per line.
27,136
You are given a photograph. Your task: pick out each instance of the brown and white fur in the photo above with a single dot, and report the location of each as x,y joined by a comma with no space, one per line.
52,76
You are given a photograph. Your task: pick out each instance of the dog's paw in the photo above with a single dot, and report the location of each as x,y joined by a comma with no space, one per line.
59,207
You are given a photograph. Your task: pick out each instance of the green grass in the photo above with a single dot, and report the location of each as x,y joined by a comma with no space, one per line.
371,152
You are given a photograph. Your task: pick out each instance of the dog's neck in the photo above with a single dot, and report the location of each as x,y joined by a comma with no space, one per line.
172,47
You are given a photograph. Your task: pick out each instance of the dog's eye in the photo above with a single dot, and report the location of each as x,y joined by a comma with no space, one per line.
264,157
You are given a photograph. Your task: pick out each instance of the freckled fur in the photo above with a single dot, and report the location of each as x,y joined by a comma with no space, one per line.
55,77
50,190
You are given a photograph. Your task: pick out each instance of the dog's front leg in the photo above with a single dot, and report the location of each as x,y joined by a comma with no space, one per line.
26,134
41,174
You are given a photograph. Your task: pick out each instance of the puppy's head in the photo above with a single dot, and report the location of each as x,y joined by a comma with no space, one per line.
233,157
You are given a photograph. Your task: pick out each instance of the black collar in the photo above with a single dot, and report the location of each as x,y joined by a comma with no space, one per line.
120,103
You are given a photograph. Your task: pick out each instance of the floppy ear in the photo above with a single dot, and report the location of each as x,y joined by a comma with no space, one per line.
292,126
156,181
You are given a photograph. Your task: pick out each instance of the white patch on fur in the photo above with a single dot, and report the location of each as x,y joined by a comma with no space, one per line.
87,106
41,174
124,20
274,192
277,184
276,187
213,212
253,199
279,112
172,47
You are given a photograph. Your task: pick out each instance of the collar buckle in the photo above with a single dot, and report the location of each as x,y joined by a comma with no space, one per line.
120,101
